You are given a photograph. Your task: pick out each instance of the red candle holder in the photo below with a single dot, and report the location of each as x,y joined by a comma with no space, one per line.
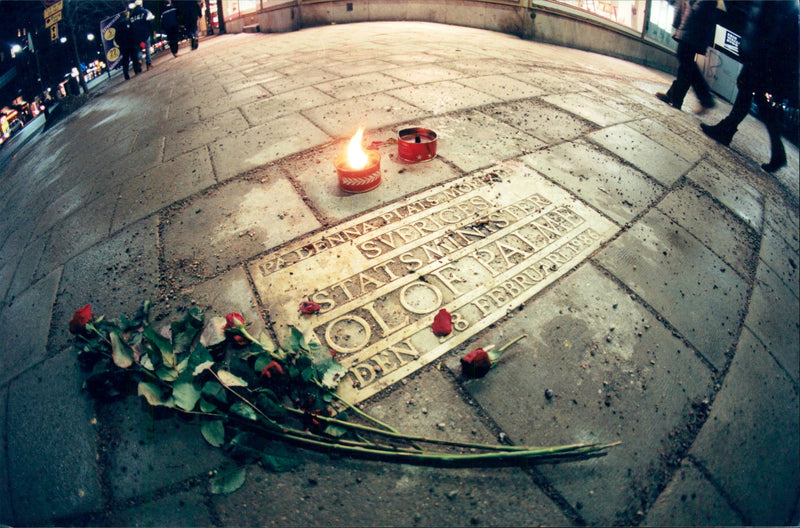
416,144
359,180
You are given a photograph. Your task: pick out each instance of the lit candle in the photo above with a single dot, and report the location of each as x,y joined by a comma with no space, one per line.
358,171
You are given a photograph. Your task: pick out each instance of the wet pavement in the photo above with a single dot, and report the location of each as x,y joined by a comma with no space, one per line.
653,270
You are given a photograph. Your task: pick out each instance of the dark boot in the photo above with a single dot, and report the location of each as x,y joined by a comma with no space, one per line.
778,158
722,132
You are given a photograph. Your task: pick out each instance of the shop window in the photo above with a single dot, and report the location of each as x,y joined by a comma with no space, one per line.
659,25
629,13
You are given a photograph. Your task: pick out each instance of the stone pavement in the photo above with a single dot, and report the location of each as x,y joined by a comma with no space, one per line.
661,310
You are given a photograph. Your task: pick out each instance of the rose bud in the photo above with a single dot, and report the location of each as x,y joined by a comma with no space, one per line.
476,364
308,307
442,323
234,322
273,368
77,325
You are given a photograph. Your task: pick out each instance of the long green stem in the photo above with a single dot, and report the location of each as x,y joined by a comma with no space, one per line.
370,417
504,347
410,438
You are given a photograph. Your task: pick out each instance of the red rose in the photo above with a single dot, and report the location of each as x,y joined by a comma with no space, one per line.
442,323
77,325
234,322
476,364
308,307
273,368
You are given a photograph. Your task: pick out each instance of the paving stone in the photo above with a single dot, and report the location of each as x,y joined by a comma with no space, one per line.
460,133
203,132
485,68
289,82
148,449
257,146
359,85
152,190
717,228
691,500
783,221
24,275
758,466
615,189
425,73
24,323
501,86
615,372
781,258
6,514
736,194
317,176
587,108
682,280
53,441
187,508
342,119
543,121
217,297
774,317
234,222
547,80
442,97
348,492
115,277
684,147
643,153
76,233
350,68
265,109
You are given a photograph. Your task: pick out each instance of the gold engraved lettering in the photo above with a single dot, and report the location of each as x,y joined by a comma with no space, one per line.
422,226
484,257
407,233
343,286
370,249
365,280
408,258
421,303
335,239
448,275
382,322
385,268
507,251
322,298
433,253
483,304
460,322
348,334
498,296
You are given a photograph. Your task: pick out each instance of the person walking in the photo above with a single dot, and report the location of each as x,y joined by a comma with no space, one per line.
128,46
140,20
171,26
694,23
769,53
191,11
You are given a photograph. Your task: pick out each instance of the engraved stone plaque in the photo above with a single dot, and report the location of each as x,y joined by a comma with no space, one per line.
478,247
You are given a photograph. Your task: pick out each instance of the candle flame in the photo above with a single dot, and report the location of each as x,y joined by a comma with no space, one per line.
356,157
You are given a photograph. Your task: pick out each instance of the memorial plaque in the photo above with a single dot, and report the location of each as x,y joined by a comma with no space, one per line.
478,247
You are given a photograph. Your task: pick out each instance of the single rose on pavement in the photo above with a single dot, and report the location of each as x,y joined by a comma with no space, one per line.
234,323
442,323
77,325
477,363
308,307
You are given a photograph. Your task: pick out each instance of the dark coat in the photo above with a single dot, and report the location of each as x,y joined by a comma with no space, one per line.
770,48
695,22
169,19
123,35
140,24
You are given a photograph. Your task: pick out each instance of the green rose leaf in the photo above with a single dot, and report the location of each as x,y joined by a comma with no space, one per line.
277,457
160,343
231,380
153,395
267,401
185,395
244,410
214,433
266,342
214,332
228,480
330,373
120,353
214,392
297,341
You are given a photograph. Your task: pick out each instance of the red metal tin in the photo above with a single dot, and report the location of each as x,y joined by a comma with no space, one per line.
416,144
359,180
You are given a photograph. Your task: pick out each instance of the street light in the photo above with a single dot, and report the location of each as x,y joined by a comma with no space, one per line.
16,48
90,37
62,40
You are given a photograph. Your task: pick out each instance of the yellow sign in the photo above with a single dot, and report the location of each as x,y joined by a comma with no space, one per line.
53,9
55,18
54,32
